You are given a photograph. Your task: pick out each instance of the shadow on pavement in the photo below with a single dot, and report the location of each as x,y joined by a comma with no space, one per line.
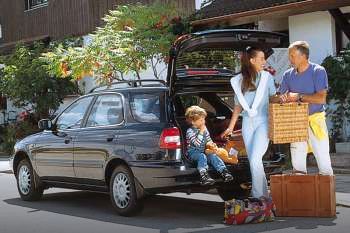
162,213
343,183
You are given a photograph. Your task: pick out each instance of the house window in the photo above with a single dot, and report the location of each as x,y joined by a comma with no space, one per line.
32,4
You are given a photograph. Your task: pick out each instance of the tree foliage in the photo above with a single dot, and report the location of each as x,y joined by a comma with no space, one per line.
133,37
338,69
26,81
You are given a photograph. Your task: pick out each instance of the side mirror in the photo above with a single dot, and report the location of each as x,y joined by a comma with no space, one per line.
45,124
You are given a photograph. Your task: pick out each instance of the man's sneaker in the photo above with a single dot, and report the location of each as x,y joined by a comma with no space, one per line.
205,179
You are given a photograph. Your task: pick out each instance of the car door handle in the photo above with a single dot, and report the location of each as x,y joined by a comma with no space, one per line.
67,140
61,134
112,138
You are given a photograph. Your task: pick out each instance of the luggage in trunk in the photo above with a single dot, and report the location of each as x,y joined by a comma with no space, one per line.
236,142
303,195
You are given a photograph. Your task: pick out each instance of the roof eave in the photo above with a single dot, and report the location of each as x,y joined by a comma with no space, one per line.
293,8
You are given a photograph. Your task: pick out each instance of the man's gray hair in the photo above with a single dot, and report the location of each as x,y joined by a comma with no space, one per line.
302,46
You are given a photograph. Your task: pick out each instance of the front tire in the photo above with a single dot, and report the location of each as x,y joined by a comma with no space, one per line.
28,182
123,192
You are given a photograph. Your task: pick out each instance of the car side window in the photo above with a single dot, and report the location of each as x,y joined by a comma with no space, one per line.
73,116
146,107
107,110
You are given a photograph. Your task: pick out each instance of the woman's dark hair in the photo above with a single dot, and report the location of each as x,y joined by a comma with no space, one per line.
248,71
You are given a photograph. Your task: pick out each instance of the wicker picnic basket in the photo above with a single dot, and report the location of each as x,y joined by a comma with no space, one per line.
288,122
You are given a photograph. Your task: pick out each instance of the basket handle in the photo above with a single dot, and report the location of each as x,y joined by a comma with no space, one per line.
281,103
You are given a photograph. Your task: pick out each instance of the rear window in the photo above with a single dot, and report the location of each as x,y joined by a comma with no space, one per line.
210,59
228,99
147,107
188,101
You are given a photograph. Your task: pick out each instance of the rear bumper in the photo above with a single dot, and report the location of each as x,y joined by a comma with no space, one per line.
159,174
177,174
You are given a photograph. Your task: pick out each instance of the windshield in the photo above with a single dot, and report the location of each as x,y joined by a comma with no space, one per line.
226,59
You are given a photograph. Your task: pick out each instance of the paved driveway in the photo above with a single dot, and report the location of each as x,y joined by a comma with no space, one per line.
66,211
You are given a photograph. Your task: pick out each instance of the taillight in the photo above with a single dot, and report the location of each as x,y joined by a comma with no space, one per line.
170,139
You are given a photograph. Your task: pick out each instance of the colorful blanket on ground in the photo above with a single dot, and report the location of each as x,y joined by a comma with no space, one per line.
251,210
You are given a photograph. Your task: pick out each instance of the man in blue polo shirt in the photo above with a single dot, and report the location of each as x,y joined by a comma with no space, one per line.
307,82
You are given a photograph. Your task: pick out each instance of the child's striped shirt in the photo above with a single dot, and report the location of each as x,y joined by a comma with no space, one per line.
196,140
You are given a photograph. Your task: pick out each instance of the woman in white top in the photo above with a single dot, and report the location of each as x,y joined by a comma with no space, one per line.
252,88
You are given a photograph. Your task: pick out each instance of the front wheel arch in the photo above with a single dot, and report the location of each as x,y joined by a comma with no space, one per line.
19,156
28,184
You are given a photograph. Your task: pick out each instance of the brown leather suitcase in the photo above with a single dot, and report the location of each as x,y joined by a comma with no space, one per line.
303,195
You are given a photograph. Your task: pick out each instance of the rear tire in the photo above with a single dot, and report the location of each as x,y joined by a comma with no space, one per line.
123,192
28,182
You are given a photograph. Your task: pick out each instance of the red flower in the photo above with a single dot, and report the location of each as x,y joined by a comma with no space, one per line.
158,25
176,19
23,115
64,68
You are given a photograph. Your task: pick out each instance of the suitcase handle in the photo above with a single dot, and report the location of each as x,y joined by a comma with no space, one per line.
295,172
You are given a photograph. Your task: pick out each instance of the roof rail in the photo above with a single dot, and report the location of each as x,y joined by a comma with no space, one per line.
131,83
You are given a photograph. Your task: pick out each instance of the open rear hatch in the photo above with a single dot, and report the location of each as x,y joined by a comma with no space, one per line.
206,61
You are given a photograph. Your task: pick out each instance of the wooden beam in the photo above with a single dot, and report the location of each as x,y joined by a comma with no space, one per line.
338,39
25,41
341,21
6,48
275,12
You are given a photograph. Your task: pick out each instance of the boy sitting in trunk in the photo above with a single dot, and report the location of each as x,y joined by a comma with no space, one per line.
197,138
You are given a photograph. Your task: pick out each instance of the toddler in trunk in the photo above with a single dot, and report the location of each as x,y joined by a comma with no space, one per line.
197,138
